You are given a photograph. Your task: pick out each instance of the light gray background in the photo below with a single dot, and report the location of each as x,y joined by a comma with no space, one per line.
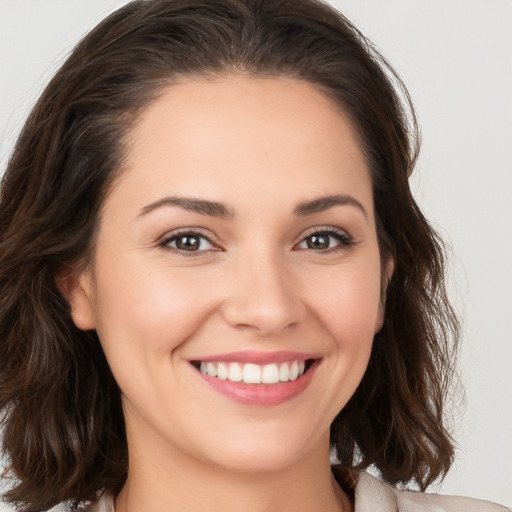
456,58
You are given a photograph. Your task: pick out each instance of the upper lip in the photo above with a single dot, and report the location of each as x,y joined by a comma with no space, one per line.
256,357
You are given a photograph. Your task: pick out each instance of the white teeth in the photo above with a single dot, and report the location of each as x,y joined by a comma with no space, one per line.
222,371
235,372
210,368
251,373
270,374
284,372
294,370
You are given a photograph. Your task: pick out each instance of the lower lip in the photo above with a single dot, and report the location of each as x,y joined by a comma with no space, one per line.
261,394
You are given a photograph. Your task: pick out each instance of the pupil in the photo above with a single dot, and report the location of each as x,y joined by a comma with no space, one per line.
188,243
318,242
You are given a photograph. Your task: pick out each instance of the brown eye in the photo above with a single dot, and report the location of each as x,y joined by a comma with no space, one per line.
318,241
326,241
188,242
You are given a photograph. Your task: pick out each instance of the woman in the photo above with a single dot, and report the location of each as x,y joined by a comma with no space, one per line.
213,272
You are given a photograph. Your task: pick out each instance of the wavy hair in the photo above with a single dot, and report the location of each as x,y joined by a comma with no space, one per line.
64,433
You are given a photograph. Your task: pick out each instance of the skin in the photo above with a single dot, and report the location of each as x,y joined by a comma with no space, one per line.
259,146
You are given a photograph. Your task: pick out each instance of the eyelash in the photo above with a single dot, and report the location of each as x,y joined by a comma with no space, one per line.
171,237
345,241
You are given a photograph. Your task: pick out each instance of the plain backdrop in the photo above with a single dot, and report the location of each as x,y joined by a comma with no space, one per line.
456,59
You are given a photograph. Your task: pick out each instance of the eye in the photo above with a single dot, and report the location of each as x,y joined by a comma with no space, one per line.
326,240
189,241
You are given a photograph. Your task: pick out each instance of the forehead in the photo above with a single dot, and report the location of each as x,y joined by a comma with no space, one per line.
277,137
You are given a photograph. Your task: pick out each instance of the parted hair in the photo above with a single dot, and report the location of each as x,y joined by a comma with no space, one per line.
64,436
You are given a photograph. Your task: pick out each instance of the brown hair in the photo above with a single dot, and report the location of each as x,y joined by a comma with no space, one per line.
64,430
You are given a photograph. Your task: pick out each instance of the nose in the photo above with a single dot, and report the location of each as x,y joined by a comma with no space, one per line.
263,296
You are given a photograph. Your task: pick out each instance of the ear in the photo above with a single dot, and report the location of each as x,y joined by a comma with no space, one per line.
387,273
76,287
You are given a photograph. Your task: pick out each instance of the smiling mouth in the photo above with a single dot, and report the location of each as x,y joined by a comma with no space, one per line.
250,373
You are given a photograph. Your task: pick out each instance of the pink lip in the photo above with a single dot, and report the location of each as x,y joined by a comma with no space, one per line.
261,394
250,356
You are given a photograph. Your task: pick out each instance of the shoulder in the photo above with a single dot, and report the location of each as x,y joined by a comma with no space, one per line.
371,494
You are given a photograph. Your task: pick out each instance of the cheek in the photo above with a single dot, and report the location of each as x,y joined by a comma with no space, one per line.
347,300
345,303
146,315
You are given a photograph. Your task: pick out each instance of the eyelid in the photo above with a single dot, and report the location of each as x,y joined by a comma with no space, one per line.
164,240
324,229
346,240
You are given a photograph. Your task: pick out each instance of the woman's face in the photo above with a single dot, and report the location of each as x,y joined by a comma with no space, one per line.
238,243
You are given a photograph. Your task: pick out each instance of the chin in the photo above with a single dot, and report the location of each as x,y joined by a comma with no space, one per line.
253,463
264,454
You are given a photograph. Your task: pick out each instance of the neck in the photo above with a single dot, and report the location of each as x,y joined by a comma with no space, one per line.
175,481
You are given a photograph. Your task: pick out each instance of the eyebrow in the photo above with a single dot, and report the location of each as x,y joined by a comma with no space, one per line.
324,203
216,209
201,206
